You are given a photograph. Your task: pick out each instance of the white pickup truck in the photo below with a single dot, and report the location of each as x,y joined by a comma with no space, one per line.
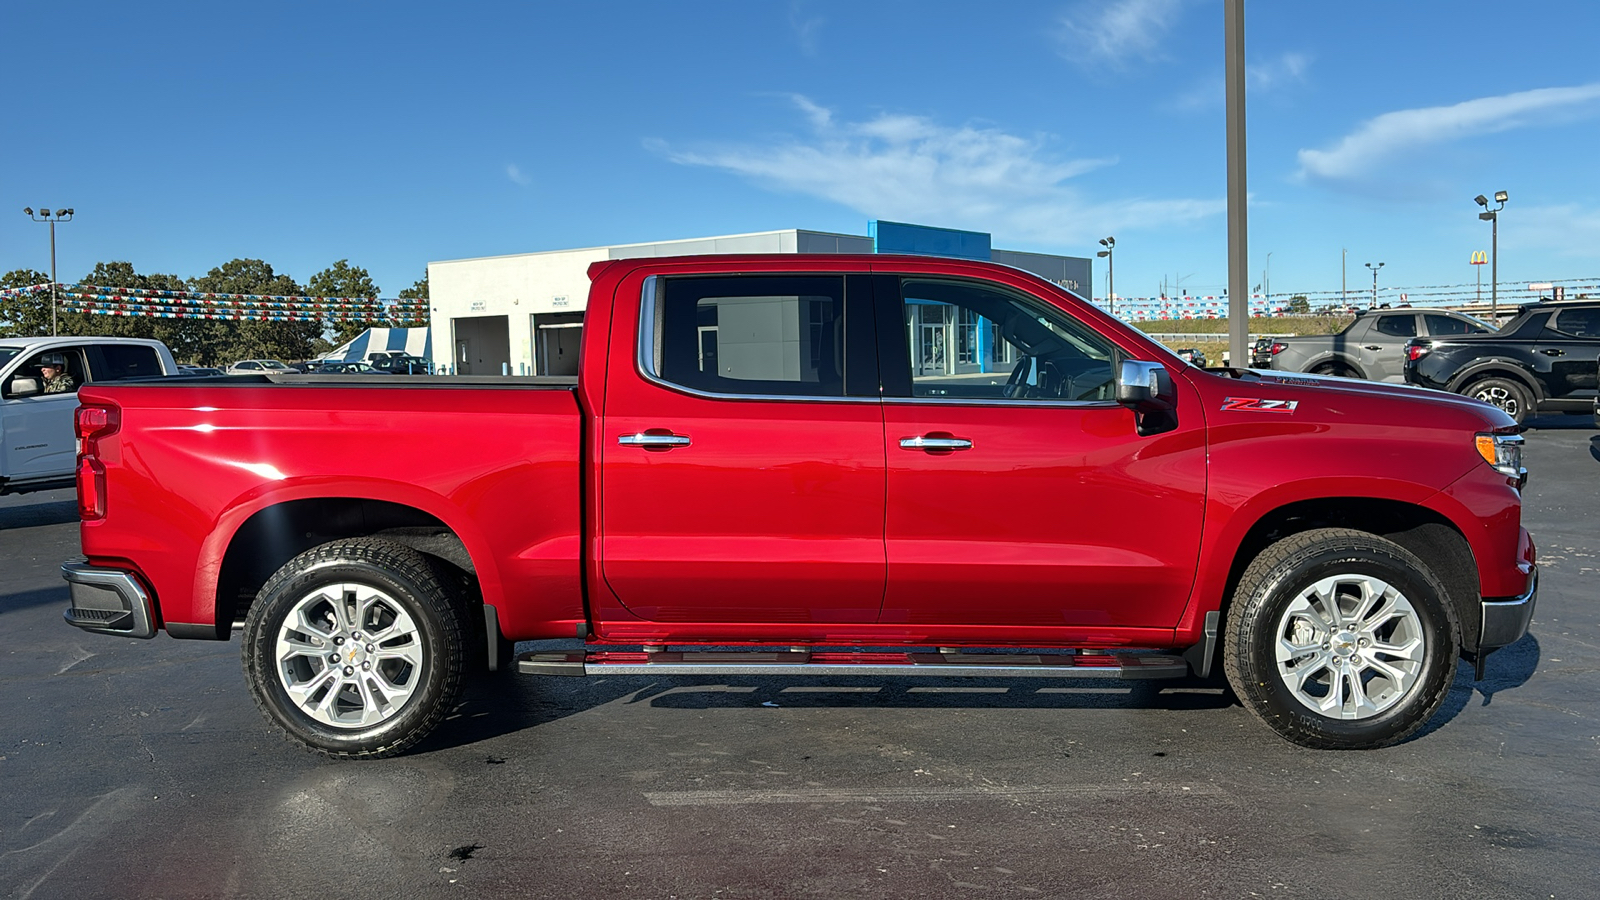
37,447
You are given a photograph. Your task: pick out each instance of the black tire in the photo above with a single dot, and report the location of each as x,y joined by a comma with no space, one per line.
1269,604
1509,395
1338,370
409,639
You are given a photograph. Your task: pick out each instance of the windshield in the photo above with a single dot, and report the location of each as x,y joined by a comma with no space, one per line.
7,352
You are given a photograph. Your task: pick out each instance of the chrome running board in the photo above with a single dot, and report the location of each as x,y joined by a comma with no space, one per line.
892,664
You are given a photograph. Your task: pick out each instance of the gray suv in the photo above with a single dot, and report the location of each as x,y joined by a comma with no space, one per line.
1371,347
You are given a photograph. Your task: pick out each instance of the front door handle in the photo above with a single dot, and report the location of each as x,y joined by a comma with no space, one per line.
922,442
655,439
1552,351
1374,347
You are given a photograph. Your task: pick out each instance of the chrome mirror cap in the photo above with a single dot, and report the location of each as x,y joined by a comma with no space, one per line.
1144,385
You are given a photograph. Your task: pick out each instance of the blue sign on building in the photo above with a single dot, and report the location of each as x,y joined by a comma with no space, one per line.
923,240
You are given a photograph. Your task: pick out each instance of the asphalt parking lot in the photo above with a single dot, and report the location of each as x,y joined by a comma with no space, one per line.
142,769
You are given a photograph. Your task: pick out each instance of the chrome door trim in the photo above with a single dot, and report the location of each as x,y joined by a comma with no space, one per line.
921,442
653,441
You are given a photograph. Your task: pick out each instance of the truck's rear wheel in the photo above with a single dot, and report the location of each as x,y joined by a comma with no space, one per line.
1339,639
355,648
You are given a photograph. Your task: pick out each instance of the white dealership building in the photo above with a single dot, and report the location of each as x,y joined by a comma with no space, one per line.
522,314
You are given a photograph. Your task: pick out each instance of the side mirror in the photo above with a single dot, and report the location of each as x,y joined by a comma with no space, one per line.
24,386
1144,386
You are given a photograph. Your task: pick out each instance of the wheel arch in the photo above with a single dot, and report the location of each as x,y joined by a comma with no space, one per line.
1495,368
1428,534
256,538
1334,358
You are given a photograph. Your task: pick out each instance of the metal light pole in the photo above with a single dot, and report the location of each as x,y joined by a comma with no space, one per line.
1492,216
45,215
1111,272
1374,282
1238,195
1344,281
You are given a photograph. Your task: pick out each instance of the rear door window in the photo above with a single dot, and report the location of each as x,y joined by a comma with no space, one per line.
1447,325
1398,326
781,335
119,361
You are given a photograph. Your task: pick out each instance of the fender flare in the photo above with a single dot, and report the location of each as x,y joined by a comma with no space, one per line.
1334,356
1497,365
208,565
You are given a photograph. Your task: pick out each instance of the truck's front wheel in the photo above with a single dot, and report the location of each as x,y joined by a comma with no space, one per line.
355,648
1339,639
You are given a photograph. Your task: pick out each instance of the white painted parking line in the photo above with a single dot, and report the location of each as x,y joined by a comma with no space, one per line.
927,794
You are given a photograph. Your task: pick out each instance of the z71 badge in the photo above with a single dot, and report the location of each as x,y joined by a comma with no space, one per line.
1252,404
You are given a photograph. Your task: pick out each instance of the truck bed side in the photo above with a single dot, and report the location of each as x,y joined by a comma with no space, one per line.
494,465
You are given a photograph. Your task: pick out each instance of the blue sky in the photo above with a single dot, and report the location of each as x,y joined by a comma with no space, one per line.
394,133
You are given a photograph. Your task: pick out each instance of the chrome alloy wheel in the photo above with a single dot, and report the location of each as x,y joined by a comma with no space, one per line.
349,655
1495,395
1350,647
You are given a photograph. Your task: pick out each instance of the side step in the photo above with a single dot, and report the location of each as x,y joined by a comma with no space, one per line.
1133,666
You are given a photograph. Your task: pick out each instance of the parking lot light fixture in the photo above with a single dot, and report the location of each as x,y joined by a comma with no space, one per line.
1374,269
1492,216
45,215
1110,243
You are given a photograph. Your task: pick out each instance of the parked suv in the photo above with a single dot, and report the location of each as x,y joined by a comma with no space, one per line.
1542,361
37,447
1371,347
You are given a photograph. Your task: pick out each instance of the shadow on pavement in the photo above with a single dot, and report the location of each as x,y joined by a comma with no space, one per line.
1563,422
39,597
498,704
55,512
1508,669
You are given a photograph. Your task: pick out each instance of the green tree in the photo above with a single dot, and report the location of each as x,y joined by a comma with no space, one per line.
257,339
1299,305
25,315
191,340
344,280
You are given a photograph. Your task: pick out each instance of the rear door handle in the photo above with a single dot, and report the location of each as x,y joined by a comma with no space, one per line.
654,440
1374,347
922,442
1552,351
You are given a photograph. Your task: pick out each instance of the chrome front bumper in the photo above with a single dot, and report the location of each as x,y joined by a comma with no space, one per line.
1506,621
107,601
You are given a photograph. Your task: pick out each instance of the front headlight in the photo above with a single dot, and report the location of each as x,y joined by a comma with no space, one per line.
1504,452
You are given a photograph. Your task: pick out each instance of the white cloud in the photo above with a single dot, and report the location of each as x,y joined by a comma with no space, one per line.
1115,34
806,28
1392,134
1273,76
1275,73
1569,230
517,176
911,168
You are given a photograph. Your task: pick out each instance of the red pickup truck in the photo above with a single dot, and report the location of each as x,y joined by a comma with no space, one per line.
829,465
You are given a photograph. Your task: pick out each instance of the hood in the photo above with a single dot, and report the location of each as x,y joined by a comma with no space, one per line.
1308,387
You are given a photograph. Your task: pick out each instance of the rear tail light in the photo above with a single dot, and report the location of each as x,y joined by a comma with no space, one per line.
1278,348
91,489
93,423
1415,352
